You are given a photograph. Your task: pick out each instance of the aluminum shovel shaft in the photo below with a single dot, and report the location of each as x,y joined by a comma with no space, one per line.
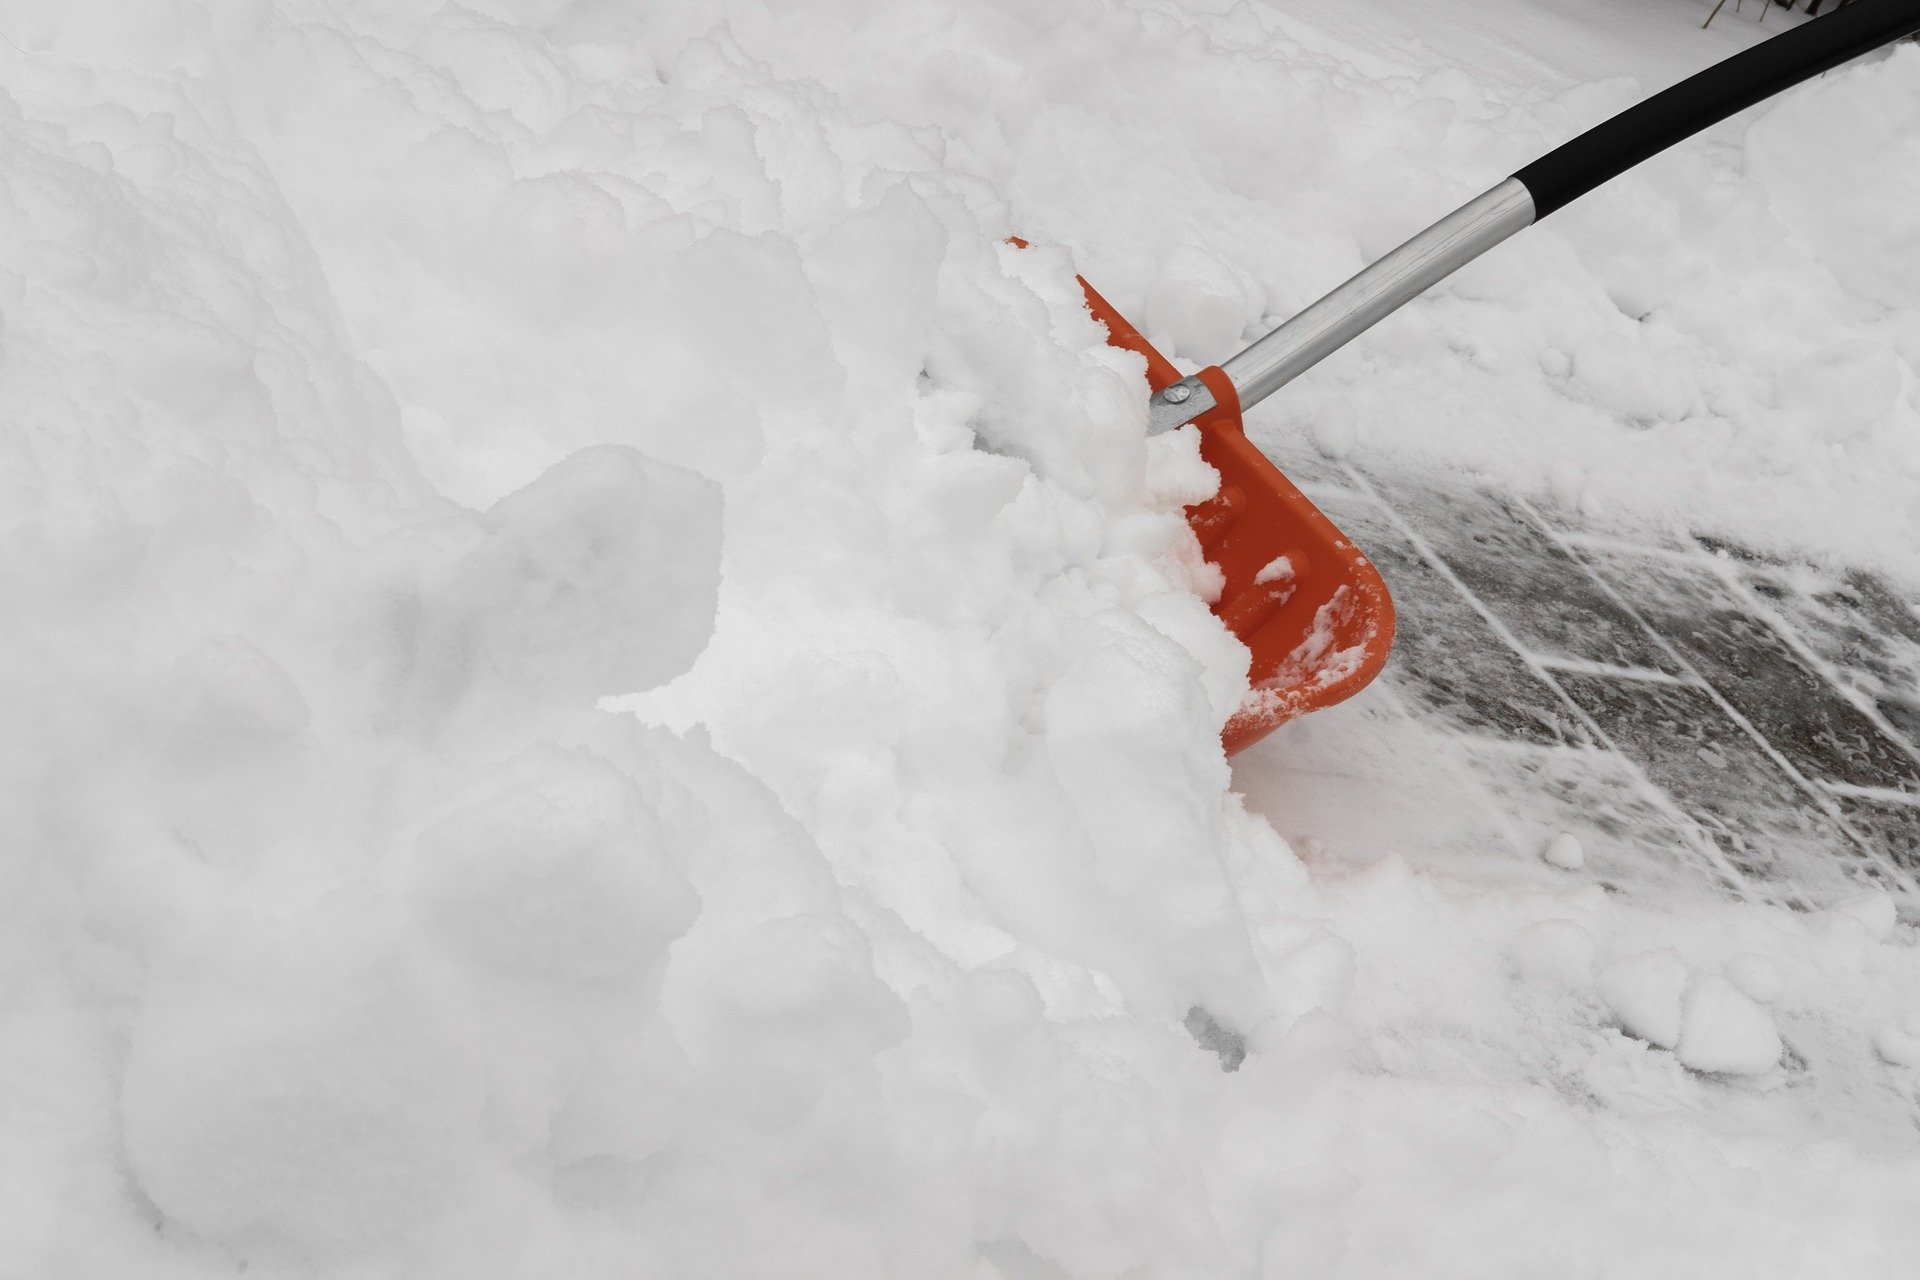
1549,183
1379,291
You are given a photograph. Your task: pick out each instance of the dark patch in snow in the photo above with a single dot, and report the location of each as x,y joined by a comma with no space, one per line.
1223,1042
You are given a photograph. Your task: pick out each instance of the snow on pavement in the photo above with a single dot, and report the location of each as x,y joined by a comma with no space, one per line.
387,387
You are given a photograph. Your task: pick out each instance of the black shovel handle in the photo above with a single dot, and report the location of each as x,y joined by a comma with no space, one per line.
1605,151
1547,184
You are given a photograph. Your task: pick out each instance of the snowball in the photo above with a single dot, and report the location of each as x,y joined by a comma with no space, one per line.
1871,913
1897,1046
1757,976
1564,851
598,578
1725,1031
1644,993
1335,430
1643,375
1558,951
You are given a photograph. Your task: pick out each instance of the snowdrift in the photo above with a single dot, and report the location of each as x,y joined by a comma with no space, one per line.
601,681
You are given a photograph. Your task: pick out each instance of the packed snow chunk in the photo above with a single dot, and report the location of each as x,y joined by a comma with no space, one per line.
1335,429
1564,851
600,577
1897,1046
1870,915
1315,977
1557,951
1278,569
1758,977
1202,305
1644,992
1725,1031
297,1087
1134,745
555,868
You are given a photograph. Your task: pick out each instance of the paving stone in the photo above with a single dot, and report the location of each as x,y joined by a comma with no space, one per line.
1889,828
1550,601
1805,718
1447,659
1714,771
1860,626
1882,605
1688,798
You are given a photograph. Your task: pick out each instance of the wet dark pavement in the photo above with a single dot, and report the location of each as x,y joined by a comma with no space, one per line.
1692,711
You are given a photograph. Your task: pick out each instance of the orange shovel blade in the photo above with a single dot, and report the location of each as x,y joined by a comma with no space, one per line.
1306,602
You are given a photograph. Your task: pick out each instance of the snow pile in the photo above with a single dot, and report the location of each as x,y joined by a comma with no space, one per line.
1724,338
389,386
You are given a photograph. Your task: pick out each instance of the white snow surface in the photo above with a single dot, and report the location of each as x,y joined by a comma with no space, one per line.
601,680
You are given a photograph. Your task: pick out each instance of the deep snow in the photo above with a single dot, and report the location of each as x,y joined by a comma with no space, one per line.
387,386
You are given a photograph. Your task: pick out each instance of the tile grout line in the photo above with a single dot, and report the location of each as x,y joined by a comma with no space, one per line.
1813,791
1717,857
1879,795
1636,675
1606,542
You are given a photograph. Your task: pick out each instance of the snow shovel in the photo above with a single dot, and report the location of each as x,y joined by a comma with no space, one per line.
1306,602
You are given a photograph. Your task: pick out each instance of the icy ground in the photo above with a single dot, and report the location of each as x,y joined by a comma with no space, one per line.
600,680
